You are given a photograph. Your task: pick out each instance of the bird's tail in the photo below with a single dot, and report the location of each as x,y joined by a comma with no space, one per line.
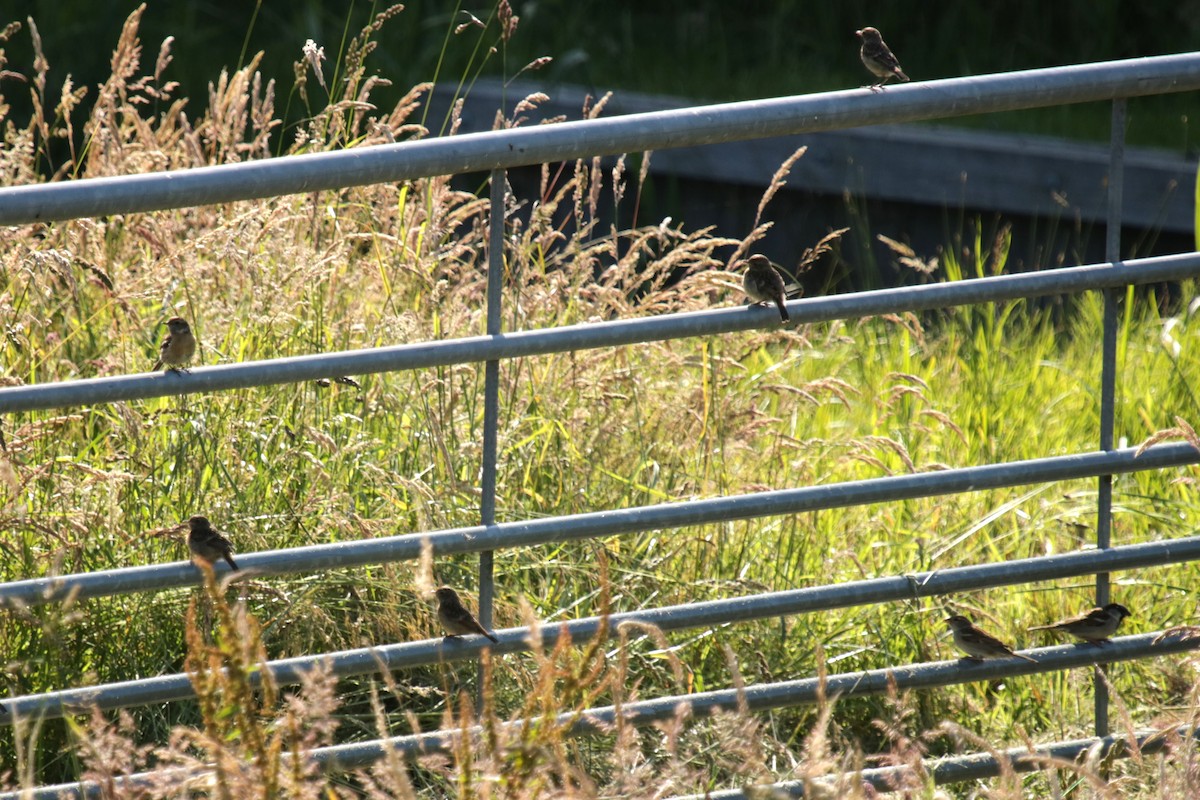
1025,658
229,558
783,315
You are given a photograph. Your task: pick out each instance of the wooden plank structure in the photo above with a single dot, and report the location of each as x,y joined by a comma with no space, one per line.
926,164
918,183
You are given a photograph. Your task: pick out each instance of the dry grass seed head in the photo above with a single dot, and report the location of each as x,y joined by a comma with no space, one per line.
778,181
1182,430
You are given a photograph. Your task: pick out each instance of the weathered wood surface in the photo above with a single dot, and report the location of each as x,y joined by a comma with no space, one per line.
929,165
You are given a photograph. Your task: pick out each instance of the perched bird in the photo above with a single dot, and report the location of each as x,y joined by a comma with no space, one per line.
763,284
1095,626
977,644
878,57
454,615
207,543
177,347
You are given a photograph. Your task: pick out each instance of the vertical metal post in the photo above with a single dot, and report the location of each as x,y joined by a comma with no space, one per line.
491,397
1108,378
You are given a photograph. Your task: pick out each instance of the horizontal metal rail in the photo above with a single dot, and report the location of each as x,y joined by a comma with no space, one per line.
367,660
549,530
807,691
761,697
974,766
594,335
514,147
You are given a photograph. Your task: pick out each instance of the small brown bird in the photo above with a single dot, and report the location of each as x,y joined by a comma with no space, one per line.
977,644
177,347
454,615
763,284
878,58
207,543
1095,626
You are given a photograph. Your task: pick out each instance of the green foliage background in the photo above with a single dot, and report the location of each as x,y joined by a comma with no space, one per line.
704,49
101,487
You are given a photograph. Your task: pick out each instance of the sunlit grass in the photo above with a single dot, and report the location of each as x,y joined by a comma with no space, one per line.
101,487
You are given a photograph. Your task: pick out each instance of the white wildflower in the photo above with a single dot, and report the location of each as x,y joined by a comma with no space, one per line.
314,56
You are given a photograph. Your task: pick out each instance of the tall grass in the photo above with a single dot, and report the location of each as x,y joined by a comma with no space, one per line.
99,487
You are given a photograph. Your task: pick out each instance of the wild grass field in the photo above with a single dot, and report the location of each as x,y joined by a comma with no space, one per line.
99,487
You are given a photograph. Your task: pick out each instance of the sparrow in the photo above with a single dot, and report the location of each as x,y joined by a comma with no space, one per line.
763,284
1095,626
454,616
177,347
878,58
207,543
977,644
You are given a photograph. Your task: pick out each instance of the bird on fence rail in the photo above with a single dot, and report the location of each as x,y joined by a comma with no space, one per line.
177,347
977,644
763,284
454,616
207,543
1094,626
878,58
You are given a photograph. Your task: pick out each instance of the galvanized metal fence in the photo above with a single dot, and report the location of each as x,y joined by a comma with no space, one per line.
499,150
